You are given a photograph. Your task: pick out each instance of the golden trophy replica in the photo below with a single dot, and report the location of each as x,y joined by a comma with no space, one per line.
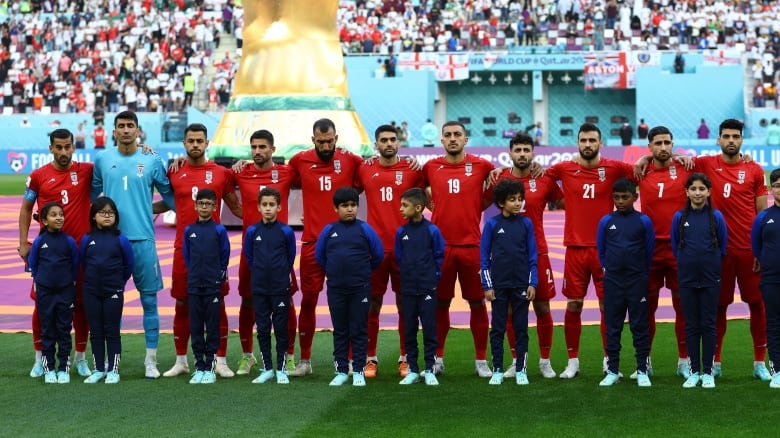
291,74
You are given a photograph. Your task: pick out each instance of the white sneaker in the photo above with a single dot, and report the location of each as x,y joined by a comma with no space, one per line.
177,369
483,370
511,371
151,370
301,369
223,370
546,369
572,369
438,366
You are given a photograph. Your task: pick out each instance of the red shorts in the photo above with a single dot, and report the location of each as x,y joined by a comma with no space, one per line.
245,280
738,269
179,277
546,289
461,262
663,270
581,263
388,270
312,275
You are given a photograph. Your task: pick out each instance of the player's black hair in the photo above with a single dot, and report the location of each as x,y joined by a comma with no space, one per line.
323,125
730,124
521,138
384,128
196,127
60,133
658,130
589,127
262,134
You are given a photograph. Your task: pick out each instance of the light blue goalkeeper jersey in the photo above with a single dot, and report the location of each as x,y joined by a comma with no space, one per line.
129,180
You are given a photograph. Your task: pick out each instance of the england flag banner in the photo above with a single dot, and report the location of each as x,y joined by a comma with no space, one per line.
452,67
417,61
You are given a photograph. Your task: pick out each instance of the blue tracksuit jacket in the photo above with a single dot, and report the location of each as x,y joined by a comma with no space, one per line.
419,251
348,252
269,249
507,253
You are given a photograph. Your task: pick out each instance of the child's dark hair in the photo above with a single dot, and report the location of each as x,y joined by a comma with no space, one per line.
345,194
774,176
206,194
623,185
506,188
99,204
269,191
688,208
45,210
416,196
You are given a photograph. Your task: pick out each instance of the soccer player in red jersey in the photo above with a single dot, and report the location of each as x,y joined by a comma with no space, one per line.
663,194
538,193
384,180
320,171
739,192
262,172
587,190
457,182
195,174
68,183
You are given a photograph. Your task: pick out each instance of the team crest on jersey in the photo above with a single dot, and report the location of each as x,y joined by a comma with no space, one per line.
532,185
74,178
672,172
140,170
399,178
337,166
274,176
209,177
602,174
741,177
468,169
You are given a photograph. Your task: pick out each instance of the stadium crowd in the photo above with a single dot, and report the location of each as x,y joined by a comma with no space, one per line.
87,55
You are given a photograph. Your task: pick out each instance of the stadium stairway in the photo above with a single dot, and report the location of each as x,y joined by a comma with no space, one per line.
227,44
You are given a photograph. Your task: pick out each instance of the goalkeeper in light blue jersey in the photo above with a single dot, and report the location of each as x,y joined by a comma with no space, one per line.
129,177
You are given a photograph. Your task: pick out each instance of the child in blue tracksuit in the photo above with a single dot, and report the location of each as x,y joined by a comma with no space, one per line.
349,251
625,240
269,247
419,251
206,253
765,239
107,260
54,262
699,238
508,258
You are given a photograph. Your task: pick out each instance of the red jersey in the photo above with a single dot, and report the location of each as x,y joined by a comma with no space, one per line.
319,180
187,182
588,195
661,195
100,137
456,190
251,180
384,187
70,188
538,193
735,188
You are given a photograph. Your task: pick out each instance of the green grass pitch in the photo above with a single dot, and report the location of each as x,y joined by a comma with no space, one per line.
462,406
